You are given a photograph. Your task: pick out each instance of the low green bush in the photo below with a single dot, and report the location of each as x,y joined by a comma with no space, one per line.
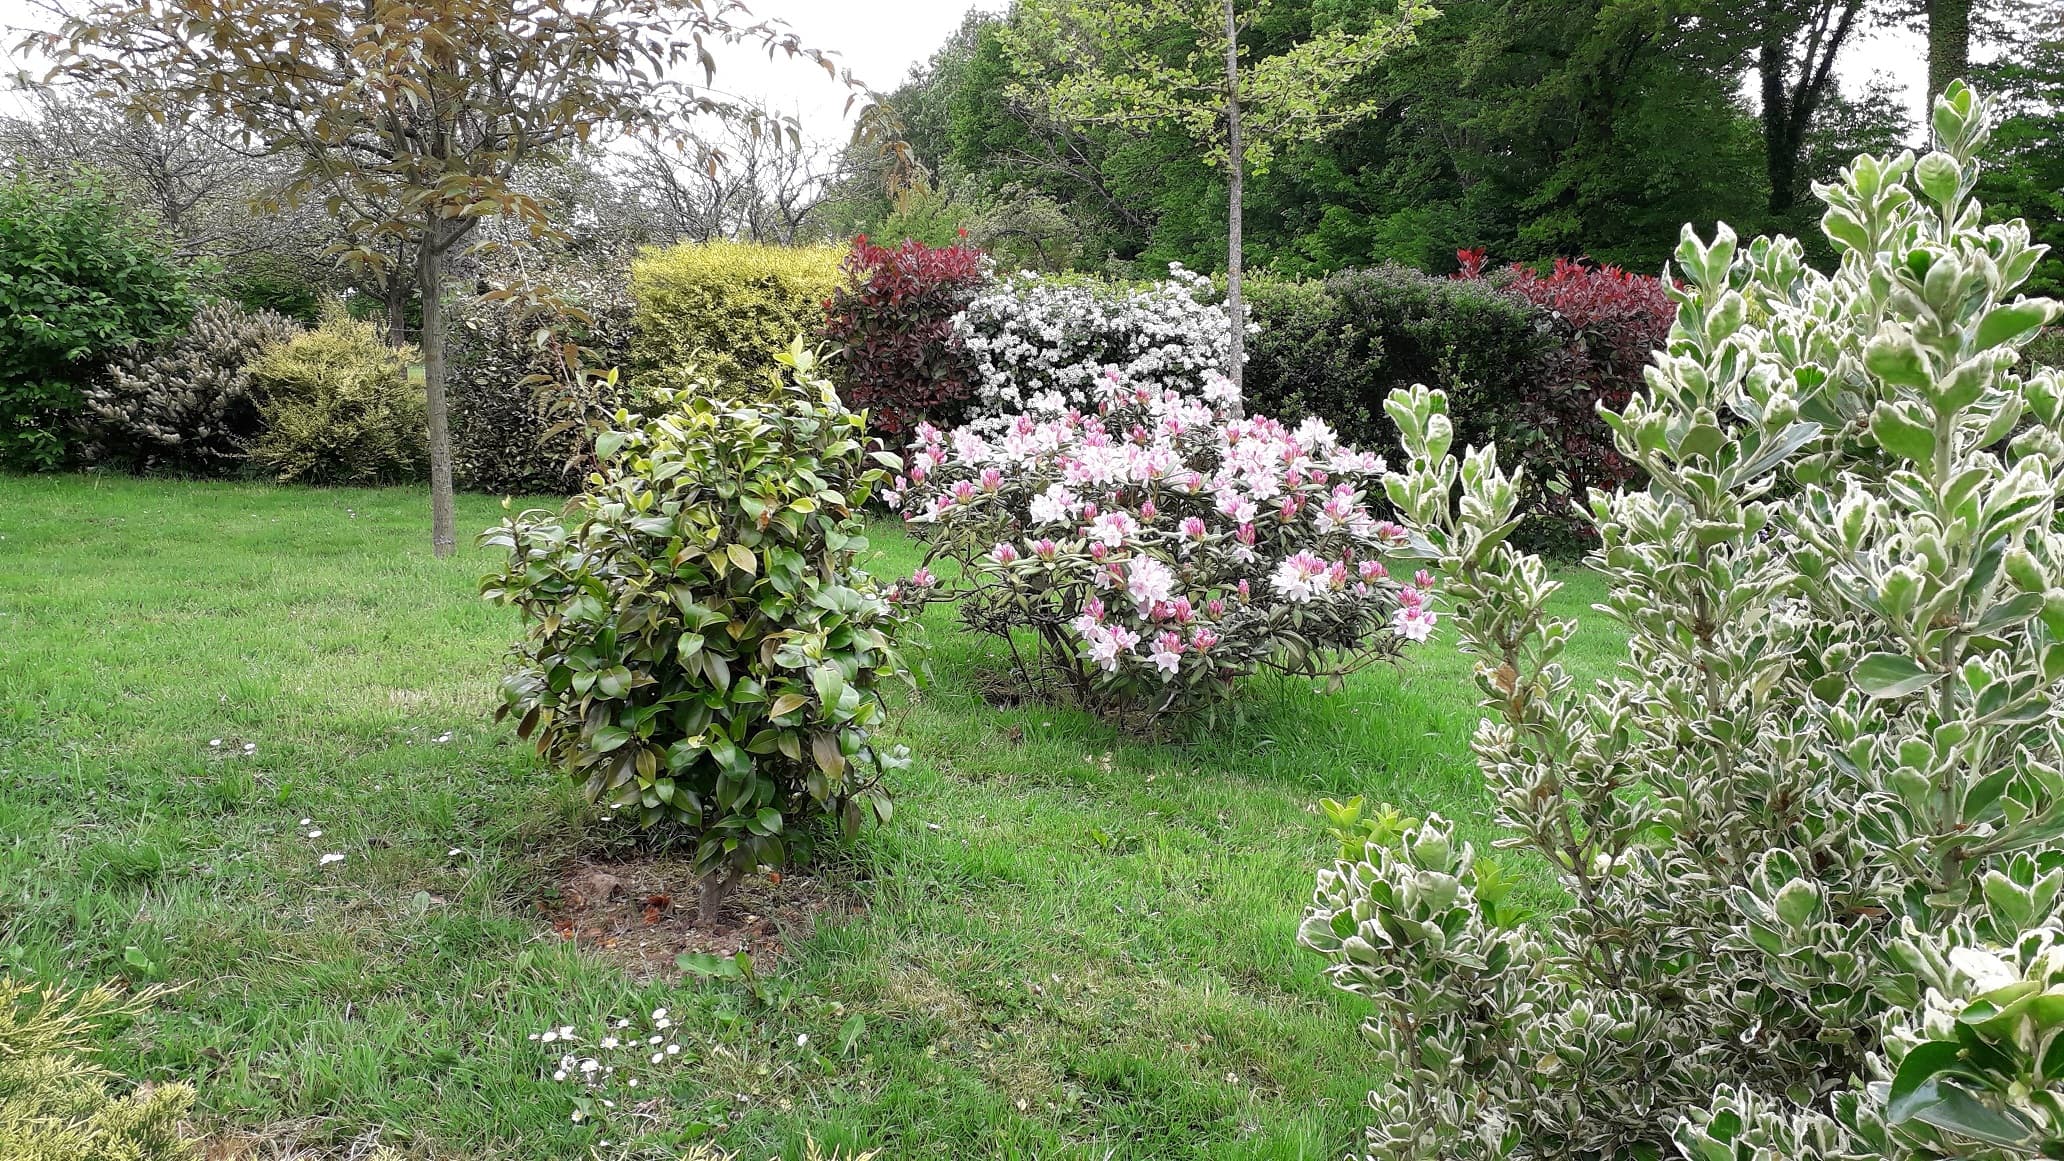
721,311
703,651
184,403
340,408
79,281
57,1105
519,412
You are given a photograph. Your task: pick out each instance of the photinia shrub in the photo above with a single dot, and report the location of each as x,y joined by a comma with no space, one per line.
1158,549
1606,321
702,650
1031,335
894,324
1812,832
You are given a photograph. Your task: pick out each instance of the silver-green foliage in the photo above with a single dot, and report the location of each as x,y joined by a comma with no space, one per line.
185,403
1832,771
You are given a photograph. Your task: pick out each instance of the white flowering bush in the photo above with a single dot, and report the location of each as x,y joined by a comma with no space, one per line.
1812,834
1029,336
1157,548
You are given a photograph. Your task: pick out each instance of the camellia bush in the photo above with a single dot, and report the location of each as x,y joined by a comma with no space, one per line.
1158,549
1812,834
703,650
894,327
1030,336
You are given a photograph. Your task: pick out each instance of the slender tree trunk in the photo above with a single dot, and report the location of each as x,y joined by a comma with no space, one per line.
1949,44
397,291
430,282
1236,166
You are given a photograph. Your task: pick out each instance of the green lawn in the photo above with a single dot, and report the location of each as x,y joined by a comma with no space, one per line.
1073,944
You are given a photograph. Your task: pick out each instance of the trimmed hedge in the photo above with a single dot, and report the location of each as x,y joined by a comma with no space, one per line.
1336,349
515,414
720,311
1524,359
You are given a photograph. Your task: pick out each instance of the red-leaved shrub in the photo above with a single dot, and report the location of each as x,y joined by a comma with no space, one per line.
1609,321
895,321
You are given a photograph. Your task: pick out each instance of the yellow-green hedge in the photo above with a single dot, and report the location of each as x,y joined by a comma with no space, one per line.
721,310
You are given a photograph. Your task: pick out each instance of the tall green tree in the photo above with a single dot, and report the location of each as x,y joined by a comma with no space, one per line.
410,119
1182,68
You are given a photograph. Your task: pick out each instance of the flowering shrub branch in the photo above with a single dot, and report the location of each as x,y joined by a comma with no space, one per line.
1157,548
1031,336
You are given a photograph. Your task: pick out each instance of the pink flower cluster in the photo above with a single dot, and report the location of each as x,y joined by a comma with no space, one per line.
1163,539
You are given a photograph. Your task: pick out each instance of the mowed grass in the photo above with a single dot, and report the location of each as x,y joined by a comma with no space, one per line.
1075,943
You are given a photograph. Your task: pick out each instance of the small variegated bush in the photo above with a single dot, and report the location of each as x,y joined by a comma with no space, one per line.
1158,548
1812,834
703,651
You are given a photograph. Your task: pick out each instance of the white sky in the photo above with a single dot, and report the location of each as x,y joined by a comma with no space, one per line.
881,39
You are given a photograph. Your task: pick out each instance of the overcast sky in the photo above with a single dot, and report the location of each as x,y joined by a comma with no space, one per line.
881,39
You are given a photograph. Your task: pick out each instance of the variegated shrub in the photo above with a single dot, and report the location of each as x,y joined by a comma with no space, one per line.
1811,834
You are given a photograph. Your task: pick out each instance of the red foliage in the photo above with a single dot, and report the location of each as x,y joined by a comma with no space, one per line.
1610,321
895,321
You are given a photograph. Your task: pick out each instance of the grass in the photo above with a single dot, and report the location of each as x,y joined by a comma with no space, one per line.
1075,944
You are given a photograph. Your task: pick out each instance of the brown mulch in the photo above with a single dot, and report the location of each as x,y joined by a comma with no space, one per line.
639,913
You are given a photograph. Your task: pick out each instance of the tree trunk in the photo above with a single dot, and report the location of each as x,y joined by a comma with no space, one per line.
715,891
430,282
1780,167
1236,167
1949,44
397,291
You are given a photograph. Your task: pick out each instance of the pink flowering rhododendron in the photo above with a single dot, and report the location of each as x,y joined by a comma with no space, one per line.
1160,547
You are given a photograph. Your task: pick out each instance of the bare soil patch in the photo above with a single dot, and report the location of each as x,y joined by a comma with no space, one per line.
639,912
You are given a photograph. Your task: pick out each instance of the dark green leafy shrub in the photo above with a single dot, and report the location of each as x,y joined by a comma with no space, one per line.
518,410
702,650
1335,349
57,1105
184,403
78,281
288,284
339,408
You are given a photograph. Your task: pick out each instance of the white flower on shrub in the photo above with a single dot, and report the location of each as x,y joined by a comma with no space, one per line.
1045,344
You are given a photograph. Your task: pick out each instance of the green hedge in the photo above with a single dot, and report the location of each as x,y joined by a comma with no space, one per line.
720,311
1336,349
515,415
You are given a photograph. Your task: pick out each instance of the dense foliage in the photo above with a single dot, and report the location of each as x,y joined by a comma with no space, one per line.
702,649
526,379
894,323
184,403
339,408
1028,335
79,280
1810,832
1607,321
1336,348
1158,548
56,1104
724,310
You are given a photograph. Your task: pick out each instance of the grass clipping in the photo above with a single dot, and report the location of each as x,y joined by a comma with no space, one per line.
56,1104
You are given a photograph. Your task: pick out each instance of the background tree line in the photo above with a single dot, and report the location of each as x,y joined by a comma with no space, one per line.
1535,128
